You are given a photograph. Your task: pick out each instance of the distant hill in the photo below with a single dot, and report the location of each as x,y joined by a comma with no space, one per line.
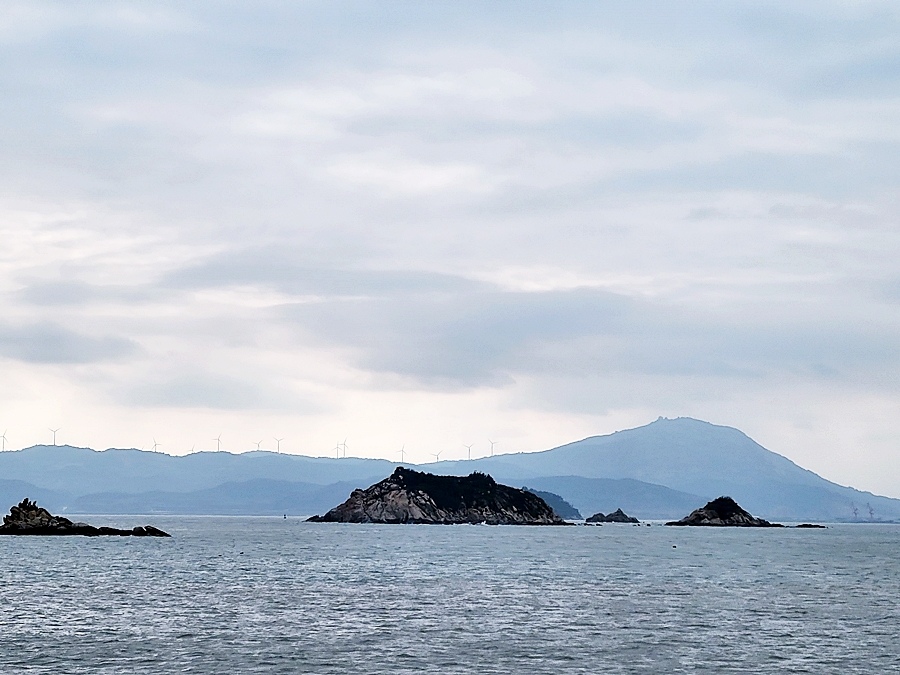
661,470
260,496
560,506
83,471
692,457
644,500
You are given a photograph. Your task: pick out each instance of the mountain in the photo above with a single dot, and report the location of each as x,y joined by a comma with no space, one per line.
660,470
692,457
82,471
605,495
560,506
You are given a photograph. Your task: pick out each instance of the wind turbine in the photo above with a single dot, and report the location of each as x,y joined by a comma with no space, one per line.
54,435
258,443
218,440
155,445
469,448
493,443
3,438
277,444
344,447
437,455
337,451
403,453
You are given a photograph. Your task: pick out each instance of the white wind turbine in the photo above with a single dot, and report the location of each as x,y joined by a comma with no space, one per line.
277,444
53,431
493,443
218,440
258,443
469,448
403,453
437,455
155,445
344,447
3,438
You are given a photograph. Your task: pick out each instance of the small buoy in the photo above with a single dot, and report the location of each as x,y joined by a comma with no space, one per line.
674,546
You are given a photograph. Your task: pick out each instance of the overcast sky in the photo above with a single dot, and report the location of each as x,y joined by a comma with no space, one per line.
433,224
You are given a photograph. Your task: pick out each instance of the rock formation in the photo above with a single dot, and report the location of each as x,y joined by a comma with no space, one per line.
560,506
29,518
408,496
723,512
617,516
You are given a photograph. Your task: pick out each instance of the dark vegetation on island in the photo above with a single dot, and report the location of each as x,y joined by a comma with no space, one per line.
617,516
722,512
415,497
30,519
560,506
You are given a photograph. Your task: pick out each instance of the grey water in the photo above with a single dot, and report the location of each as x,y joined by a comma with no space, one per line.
267,595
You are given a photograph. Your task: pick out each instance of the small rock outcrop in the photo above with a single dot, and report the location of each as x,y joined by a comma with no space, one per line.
560,506
408,496
617,516
723,512
27,518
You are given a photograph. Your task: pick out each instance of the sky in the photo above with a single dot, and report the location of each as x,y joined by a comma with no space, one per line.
429,225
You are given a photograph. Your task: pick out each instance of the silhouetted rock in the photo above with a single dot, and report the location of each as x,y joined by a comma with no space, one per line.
723,512
560,506
408,496
27,518
811,526
617,516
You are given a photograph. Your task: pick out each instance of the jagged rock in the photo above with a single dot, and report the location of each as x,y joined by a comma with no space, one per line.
560,506
812,526
27,518
617,516
723,512
408,496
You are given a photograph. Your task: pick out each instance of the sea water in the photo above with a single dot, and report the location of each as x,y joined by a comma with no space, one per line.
266,595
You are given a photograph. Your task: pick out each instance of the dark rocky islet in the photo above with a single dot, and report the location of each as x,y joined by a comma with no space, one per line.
408,496
27,518
617,516
722,512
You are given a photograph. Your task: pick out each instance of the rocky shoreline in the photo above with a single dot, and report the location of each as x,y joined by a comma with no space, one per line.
29,519
722,512
414,497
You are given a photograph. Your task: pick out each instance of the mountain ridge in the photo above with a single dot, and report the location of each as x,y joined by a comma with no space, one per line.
653,471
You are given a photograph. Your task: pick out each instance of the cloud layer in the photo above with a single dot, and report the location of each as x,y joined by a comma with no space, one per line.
433,224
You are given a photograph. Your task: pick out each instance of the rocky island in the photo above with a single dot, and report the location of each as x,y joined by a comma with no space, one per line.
723,512
617,516
408,496
30,519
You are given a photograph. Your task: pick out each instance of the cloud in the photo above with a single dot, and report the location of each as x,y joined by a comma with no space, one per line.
294,271
74,292
480,205
198,389
47,342
491,337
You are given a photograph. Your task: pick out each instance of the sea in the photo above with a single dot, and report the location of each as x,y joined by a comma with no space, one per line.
275,595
